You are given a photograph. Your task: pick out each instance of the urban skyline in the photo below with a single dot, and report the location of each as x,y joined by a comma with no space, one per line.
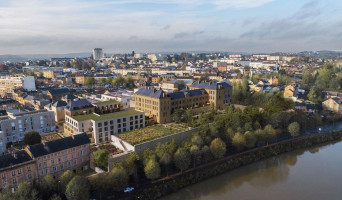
37,27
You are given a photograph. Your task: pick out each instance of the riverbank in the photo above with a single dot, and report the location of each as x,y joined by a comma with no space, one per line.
175,182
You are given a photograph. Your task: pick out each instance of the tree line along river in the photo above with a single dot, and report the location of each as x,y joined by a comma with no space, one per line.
313,173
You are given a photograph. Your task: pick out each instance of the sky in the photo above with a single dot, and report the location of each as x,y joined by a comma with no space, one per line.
118,26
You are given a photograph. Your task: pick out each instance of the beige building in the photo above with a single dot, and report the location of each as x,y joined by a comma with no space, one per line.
333,104
160,106
58,109
9,83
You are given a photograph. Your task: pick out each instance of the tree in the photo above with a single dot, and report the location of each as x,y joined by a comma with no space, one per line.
294,129
78,189
55,197
178,115
152,169
160,79
182,159
197,140
270,132
99,183
118,178
239,141
89,81
218,148
189,115
195,153
26,192
32,137
66,178
166,160
132,165
206,154
101,158
250,139
148,154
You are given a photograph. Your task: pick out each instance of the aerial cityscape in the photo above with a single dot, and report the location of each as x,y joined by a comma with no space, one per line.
113,99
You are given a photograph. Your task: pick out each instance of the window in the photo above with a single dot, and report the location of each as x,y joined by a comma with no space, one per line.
29,176
42,172
14,181
28,169
99,124
54,169
46,171
19,171
69,165
111,122
5,184
13,173
62,167
40,165
3,176
66,158
119,120
45,164
105,123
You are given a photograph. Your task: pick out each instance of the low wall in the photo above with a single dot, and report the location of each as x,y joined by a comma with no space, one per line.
179,137
121,144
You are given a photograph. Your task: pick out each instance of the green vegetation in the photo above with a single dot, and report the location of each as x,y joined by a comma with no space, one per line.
138,136
32,137
78,189
96,117
101,158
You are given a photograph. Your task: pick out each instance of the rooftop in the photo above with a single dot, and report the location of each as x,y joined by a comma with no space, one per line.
141,135
97,117
106,102
9,160
38,150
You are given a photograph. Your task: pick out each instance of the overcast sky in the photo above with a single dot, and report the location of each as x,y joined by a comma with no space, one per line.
66,26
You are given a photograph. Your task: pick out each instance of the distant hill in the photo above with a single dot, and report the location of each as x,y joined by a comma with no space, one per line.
25,57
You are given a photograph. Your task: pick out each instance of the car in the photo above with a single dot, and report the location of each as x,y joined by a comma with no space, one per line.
129,189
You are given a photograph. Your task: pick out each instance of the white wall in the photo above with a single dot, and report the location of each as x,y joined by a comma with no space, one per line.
29,83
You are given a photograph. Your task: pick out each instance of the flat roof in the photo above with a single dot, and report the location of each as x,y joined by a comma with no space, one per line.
105,102
96,117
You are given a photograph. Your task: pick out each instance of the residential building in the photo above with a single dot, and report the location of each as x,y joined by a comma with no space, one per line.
97,53
57,156
160,105
9,83
15,168
79,107
102,126
220,93
14,125
58,108
8,103
57,93
333,104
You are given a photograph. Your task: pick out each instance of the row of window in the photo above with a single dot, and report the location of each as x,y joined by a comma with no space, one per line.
14,172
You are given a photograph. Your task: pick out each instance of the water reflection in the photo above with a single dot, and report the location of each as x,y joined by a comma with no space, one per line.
258,177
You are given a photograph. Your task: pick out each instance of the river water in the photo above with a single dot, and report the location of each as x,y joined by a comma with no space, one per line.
313,173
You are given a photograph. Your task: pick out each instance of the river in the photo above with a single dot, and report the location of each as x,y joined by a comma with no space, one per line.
313,173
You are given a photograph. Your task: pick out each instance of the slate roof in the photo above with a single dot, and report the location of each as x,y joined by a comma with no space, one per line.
58,91
38,150
210,85
70,96
59,104
182,94
7,101
78,104
337,100
150,92
9,160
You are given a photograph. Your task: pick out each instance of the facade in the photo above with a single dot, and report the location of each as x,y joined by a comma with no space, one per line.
55,157
97,53
9,83
79,107
14,125
16,168
80,79
102,126
58,108
220,93
333,104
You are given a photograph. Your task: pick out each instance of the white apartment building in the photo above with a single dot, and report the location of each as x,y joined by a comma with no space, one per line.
103,126
14,125
97,53
9,83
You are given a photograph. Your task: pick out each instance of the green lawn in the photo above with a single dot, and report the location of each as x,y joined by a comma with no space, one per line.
138,136
96,117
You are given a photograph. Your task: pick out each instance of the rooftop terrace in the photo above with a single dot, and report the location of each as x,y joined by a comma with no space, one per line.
141,135
97,117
